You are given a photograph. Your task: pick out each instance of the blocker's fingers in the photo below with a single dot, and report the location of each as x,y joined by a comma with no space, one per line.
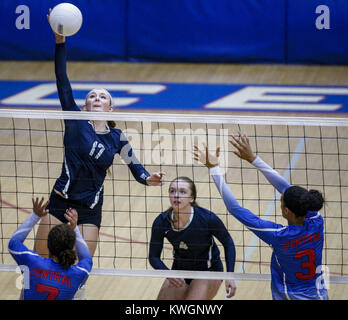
41,201
243,138
199,151
46,204
234,142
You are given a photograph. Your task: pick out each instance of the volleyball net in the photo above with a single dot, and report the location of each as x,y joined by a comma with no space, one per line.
311,152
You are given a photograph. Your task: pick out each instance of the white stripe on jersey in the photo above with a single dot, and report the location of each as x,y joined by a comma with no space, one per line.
316,216
266,229
68,182
285,287
96,199
210,254
144,176
83,269
22,230
23,252
284,279
279,229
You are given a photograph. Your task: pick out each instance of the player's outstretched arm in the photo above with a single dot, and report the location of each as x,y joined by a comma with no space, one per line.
211,161
63,84
39,211
138,171
246,217
16,247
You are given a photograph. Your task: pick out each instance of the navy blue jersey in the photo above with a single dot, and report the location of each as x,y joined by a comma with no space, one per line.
194,246
45,279
88,154
297,249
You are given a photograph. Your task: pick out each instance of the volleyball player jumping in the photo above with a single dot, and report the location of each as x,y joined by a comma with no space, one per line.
56,277
296,263
89,150
191,230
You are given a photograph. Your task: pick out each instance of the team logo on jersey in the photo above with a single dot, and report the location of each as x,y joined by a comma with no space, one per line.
183,245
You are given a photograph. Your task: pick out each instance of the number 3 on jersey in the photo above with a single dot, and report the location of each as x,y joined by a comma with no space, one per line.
309,264
97,150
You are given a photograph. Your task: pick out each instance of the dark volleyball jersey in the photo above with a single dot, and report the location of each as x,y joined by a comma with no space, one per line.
194,246
45,279
296,263
87,154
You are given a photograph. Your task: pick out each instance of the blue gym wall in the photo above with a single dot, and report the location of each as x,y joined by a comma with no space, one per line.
261,31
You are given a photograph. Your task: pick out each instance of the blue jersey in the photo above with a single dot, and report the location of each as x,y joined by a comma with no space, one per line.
44,279
88,154
297,249
194,245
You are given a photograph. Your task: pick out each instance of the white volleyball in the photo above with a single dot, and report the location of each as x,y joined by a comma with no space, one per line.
66,19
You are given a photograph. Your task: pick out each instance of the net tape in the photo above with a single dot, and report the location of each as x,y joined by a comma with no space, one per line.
181,274
167,117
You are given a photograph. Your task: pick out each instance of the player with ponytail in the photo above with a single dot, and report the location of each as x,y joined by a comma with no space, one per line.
60,243
61,275
297,248
89,150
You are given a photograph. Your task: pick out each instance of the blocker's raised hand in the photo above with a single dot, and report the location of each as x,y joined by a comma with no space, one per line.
39,207
208,159
243,148
72,216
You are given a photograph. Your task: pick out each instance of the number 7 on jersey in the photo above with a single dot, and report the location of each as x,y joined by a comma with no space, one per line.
97,148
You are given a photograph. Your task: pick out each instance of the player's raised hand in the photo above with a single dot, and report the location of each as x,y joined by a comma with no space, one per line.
39,207
72,216
242,144
156,179
59,38
208,159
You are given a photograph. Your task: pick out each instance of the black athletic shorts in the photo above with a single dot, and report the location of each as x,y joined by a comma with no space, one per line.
217,266
58,206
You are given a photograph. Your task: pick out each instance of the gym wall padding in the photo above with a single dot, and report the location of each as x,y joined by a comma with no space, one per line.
317,31
205,30
238,31
102,36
